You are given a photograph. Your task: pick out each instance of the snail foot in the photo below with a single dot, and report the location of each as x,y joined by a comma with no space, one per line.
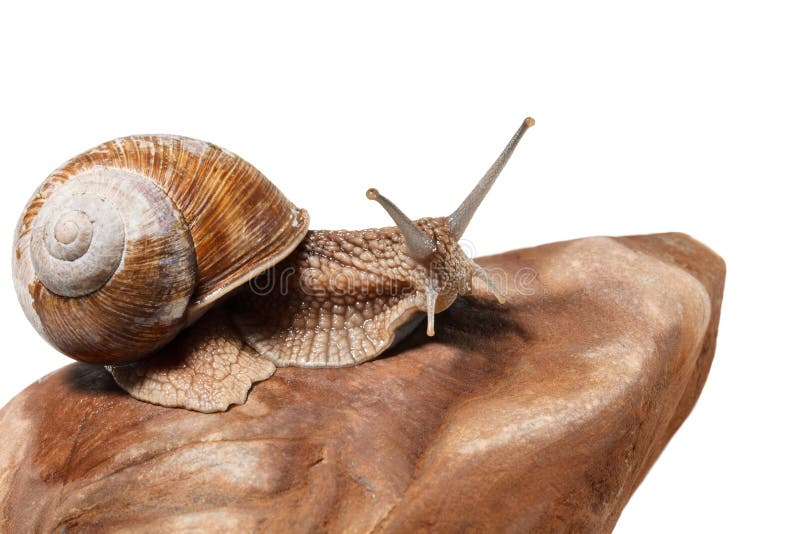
206,369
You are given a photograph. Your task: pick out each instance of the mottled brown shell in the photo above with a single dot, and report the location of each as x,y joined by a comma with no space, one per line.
158,227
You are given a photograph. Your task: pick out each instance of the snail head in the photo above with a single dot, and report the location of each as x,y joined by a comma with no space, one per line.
433,242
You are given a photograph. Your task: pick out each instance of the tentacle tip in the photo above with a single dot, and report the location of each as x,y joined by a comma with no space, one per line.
373,193
529,122
498,295
431,332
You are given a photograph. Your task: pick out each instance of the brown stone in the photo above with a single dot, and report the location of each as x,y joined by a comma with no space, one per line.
541,414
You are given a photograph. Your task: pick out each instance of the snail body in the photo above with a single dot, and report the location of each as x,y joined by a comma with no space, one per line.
124,246
346,294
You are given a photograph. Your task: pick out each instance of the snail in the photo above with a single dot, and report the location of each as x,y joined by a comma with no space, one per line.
125,246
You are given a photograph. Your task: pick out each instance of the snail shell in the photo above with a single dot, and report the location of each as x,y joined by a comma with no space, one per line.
124,244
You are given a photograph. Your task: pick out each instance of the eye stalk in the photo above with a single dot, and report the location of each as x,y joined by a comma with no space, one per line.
420,246
459,219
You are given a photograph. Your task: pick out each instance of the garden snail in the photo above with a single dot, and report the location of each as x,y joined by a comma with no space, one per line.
125,245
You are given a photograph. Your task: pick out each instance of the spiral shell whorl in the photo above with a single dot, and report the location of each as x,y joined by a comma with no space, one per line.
78,238
114,266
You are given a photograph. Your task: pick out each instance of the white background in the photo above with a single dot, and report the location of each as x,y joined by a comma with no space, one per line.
650,117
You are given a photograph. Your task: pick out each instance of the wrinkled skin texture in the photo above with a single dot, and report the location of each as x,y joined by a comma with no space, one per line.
347,294
541,414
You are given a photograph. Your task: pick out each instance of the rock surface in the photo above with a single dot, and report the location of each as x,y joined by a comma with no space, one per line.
542,414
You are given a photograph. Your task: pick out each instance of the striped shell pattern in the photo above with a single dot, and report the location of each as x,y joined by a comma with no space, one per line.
124,244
